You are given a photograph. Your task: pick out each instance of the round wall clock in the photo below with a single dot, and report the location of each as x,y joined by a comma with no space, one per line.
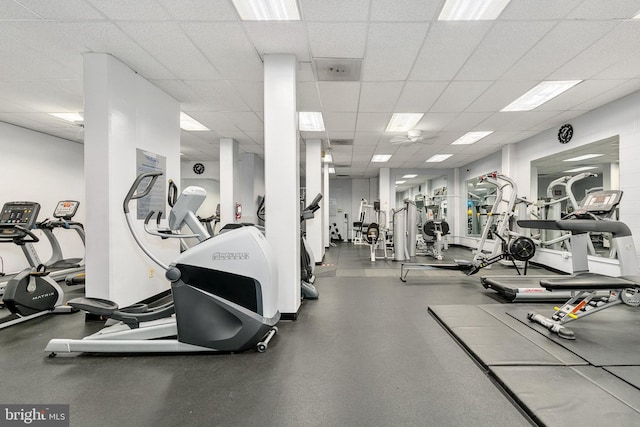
565,133
198,168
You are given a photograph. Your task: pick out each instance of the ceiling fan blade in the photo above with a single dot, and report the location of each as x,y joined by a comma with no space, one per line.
399,140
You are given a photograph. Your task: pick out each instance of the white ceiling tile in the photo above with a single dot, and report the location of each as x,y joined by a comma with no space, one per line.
175,88
503,46
252,93
7,106
313,135
48,96
379,97
615,93
340,122
334,10
466,121
339,96
447,47
404,10
538,9
139,10
368,122
200,10
628,68
226,47
366,138
340,135
213,95
419,96
106,37
247,121
170,46
515,120
458,96
597,9
391,50
10,10
337,40
557,47
65,10
308,98
434,122
610,49
213,120
501,94
279,37
256,136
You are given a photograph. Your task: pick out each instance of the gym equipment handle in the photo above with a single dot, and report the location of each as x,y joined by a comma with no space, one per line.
131,195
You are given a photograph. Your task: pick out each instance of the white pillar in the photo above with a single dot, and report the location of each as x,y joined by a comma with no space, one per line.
282,176
313,184
122,113
229,180
251,173
326,239
611,176
457,206
385,192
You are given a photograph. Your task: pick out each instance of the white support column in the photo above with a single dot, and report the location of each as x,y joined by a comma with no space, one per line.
229,180
611,176
386,203
123,112
508,158
282,176
249,171
326,239
457,206
313,184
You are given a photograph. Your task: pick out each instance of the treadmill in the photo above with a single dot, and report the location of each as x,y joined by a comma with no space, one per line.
15,218
59,267
596,206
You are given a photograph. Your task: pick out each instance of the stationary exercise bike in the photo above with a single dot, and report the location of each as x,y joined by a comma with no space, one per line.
225,291
32,292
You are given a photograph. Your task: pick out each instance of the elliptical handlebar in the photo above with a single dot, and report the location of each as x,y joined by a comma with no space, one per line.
132,195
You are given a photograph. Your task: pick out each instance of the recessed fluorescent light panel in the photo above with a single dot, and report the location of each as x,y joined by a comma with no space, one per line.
581,169
403,122
400,182
409,175
438,158
472,10
267,10
637,16
471,137
584,157
328,158
310,121
381,158
188,123
69,117
543,92
332,170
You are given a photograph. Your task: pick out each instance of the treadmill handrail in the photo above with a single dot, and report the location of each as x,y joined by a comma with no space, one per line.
616,228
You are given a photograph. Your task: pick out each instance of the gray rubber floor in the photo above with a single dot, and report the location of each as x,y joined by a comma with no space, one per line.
366,353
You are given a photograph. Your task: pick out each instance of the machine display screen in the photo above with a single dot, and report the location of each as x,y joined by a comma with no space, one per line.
20,214
66,209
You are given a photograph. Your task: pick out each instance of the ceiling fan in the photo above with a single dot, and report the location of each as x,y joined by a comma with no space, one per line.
412,137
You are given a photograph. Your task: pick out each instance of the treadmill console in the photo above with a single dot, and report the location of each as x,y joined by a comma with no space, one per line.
66,209
601,203
23,214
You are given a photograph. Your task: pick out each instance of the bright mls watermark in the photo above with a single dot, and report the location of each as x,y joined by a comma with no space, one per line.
34,415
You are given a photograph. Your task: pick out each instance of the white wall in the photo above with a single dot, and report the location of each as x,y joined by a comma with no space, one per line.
340,193
209,180
44,169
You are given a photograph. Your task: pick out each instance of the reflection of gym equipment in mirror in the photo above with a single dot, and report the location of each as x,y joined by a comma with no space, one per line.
508,244
372,230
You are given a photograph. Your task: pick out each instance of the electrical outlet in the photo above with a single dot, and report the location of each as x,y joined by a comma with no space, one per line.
151,272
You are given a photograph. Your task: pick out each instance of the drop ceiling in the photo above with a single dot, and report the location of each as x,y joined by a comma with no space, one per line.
460,74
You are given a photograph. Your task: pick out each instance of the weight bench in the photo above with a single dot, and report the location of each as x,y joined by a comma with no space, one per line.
584,286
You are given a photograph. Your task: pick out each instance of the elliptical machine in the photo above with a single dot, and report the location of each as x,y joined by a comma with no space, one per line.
224,292
32,292
307,261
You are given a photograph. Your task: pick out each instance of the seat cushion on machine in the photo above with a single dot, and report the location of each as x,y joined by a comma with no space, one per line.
587,281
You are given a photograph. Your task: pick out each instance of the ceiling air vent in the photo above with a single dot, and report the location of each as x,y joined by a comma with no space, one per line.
337,69
340,142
